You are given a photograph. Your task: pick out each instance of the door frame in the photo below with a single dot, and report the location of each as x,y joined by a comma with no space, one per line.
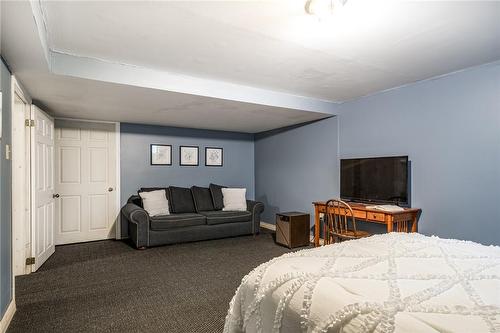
21,219
117,165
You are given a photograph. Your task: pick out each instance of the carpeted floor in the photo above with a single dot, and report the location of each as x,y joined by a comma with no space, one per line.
108,286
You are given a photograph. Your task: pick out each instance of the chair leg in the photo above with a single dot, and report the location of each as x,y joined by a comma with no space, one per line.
328,235
325,242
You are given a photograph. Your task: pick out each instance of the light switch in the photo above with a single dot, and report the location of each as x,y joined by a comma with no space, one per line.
7,152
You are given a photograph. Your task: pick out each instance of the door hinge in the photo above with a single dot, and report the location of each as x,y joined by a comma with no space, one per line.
30,261
29,123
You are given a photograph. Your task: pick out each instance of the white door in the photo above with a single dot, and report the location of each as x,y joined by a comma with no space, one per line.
87,208
42,166
21,184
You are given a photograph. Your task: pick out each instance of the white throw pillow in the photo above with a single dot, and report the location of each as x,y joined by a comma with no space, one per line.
234,199
155,202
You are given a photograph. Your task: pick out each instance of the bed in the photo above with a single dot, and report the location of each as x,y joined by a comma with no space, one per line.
396,282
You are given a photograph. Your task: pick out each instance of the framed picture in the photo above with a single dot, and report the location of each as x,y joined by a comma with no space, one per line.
188,155
161,154
214,156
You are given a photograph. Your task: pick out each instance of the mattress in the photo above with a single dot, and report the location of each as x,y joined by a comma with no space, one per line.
396,282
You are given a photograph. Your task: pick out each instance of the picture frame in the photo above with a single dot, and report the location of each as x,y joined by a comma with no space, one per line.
214,156
189,155
160,154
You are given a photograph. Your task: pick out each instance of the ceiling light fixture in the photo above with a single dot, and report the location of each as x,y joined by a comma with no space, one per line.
323,8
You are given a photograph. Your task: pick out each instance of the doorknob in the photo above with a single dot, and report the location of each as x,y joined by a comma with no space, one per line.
55,195
110,189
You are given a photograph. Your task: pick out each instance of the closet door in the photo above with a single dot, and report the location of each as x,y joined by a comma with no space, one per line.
86,207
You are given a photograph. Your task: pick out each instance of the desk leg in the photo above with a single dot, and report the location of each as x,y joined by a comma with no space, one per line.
390,225
317,226
414,223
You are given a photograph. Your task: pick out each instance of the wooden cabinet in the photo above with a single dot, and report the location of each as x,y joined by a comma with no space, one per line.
292,229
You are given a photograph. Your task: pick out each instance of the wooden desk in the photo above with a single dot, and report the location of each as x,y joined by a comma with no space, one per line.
395,221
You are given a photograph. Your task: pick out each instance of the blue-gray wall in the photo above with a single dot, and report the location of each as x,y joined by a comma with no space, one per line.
296,166
6,285
450,128
136,171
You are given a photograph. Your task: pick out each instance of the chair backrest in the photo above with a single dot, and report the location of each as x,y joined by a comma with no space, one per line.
338,214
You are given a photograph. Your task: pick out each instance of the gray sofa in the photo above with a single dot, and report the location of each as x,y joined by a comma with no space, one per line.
195,214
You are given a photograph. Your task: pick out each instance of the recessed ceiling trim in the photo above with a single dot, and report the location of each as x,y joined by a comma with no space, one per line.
41,25
100,70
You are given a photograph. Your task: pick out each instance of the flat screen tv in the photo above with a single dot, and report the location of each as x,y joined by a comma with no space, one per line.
375,179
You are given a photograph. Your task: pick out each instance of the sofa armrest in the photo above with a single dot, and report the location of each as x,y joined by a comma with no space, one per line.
256,208
138,224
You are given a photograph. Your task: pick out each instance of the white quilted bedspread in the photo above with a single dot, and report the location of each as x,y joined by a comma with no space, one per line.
395,282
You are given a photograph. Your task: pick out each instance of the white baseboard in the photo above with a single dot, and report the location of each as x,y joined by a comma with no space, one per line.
268,226
7,317
272,227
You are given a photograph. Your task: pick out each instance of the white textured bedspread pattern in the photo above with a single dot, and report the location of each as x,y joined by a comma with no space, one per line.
395,282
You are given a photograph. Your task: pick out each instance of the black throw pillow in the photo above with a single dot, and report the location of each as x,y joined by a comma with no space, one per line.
217,198
182,200
202,198
136,200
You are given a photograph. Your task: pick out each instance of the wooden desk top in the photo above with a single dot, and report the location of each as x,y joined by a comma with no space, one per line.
360,206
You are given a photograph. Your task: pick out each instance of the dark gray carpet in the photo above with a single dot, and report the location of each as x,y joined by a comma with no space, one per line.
107,286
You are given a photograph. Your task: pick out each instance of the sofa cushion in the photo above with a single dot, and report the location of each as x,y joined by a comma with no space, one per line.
135,199
202,198
181,200
149,189
217,198
155,202
234,199
166,222
220,217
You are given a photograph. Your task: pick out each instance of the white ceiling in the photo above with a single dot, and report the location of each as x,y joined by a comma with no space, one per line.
373,46
198,64
77,96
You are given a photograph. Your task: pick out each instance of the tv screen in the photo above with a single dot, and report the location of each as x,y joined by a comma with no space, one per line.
377,179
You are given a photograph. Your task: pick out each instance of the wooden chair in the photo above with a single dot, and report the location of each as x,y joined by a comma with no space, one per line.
336,227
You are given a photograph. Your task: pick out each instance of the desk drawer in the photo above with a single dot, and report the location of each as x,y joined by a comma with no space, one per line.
342,211
360,214
375,216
